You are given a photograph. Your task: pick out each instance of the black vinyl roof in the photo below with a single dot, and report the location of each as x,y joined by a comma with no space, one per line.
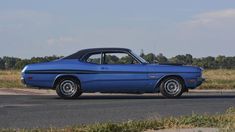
81,53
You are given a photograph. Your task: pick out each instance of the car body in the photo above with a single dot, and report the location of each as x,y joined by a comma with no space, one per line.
102,70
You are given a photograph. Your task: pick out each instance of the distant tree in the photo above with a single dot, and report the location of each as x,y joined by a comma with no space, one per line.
44,59
182,59
2,64
161,58
209,62
229,62
197,62
51,58
17,63
188,59
126,60
21,64
205,62
10,62
142,53
221,61
111,59
150,57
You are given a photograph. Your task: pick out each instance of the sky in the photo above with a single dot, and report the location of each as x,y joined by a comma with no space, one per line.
61,27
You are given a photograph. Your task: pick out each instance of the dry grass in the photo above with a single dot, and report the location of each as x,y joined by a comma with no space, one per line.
10,79
219,79
215,79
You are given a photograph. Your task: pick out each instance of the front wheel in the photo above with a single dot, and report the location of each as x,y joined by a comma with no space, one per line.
68,88
172,87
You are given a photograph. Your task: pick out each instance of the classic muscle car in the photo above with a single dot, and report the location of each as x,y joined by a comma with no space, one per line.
111,70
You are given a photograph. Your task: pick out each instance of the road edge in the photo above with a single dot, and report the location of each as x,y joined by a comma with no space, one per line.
30,91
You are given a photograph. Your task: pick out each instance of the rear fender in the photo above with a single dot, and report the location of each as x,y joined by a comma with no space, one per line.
63,75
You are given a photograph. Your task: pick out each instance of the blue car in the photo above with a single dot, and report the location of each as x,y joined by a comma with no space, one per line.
111,70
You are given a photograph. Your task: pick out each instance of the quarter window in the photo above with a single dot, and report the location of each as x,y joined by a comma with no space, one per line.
94,58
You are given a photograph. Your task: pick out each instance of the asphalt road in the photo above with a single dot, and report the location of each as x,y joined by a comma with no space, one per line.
27,111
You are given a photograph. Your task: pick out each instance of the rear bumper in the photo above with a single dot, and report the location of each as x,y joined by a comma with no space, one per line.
200,80
22,80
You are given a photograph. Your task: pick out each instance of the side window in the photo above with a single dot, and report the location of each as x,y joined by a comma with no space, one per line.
119,58
94,58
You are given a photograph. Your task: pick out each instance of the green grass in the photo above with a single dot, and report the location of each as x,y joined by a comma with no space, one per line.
226,122
215,79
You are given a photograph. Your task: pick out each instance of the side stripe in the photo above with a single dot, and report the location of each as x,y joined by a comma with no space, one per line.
91,72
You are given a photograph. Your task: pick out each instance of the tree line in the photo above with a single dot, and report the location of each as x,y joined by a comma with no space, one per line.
15,63
219,62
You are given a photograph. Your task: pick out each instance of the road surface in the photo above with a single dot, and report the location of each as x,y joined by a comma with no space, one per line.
30,111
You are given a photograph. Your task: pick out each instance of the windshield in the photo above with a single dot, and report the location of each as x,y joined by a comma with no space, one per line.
139,58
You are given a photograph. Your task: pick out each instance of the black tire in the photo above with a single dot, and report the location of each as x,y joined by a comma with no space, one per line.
68,88
172,87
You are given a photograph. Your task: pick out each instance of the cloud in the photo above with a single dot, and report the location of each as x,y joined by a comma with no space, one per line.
214,18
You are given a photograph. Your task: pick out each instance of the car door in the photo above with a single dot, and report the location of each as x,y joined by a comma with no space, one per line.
120,72
91,76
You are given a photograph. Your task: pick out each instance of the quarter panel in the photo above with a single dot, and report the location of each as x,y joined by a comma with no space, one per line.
40,80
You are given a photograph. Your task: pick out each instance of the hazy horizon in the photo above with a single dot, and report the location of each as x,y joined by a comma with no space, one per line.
58,27
138,53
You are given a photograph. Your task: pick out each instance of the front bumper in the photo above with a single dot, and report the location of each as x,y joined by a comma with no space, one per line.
194,82
201,79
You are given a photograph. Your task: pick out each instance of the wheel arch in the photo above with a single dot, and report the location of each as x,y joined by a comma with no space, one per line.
59,77
158,83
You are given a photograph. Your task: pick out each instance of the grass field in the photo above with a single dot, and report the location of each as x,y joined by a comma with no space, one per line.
10,79
215,79
225,122
219,79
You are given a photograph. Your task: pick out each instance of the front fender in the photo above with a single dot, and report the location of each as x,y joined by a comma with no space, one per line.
158,82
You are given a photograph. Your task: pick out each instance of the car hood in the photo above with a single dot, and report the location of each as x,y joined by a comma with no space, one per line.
172,68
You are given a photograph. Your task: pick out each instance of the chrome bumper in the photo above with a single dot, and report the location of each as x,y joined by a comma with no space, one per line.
22,80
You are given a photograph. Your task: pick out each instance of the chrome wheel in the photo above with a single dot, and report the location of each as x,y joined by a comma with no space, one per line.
68,88
172,87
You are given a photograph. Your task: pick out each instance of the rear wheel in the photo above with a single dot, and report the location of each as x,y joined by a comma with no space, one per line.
172,87
68,88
